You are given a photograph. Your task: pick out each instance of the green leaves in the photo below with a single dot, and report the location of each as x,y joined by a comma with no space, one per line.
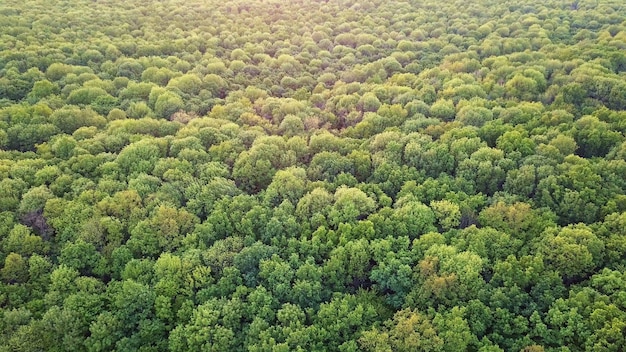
69,119
311,176
351,204
139,157
408,331
574,251
167,104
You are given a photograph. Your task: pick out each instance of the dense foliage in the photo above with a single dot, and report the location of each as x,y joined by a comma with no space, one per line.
302,175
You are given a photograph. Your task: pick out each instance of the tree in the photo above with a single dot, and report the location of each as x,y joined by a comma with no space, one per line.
407,331
594,137
518,219
446,277
288,185
350,204
69,119
167,104
139,157
413,219
474,115
87,95
514,142
187,83
522,88
448,214
339,320
15,269
22,241
369,103
42,89
574,251
80,256
313,205
34,200
486,168
291,126
443,110
162,231
203,331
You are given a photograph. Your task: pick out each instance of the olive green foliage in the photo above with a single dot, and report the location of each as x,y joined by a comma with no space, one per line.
312,175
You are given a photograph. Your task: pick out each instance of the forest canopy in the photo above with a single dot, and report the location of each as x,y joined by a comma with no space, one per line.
313,175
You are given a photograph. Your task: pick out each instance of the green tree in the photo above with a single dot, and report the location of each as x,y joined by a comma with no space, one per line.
407,331
167,104
288,185
350,204
443,110
139,157
69,119
574,251
413,219
15,269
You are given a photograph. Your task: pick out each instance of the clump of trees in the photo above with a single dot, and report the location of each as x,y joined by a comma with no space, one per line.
313,175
